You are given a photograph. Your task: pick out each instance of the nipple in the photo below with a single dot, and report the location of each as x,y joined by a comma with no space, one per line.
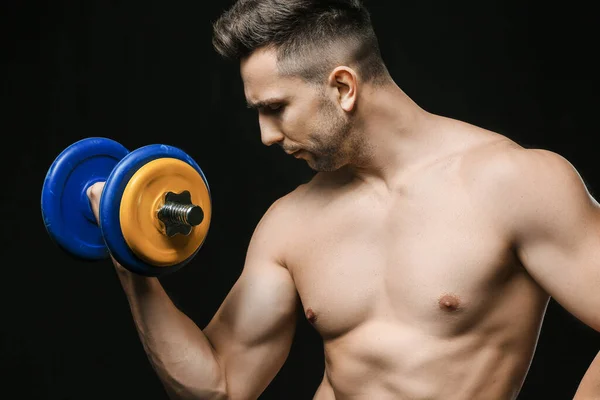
310,316
449,302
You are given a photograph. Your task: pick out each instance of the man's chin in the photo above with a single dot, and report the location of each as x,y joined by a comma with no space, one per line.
320,166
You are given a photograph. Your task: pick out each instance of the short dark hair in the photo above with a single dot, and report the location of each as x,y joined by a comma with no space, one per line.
311,37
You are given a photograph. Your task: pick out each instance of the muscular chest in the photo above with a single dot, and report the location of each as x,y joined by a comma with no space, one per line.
418,258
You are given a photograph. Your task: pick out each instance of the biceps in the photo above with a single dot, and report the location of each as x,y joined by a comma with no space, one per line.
567,266
253,329
261,304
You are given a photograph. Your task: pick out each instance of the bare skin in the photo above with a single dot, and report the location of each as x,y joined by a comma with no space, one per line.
589,387
425,260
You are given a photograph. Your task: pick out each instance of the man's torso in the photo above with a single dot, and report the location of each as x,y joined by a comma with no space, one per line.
415,289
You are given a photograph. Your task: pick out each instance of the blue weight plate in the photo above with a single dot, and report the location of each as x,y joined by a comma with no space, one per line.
66,210
110,204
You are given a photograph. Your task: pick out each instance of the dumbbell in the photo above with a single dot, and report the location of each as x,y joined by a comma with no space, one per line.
155,208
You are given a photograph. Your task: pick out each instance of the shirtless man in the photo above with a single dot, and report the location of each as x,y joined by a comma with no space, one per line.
424,251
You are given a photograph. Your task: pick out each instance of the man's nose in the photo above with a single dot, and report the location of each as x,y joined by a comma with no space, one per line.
269,133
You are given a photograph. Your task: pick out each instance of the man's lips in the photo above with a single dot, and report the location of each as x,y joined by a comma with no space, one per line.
296,153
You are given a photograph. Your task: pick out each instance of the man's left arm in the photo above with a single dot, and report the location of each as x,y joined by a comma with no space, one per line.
589,387
556,224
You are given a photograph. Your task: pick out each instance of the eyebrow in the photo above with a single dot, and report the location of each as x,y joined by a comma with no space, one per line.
263,103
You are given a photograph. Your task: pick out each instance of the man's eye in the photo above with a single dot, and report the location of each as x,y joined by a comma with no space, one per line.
274,108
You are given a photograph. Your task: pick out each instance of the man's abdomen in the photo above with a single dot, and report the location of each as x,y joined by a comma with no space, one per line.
384,360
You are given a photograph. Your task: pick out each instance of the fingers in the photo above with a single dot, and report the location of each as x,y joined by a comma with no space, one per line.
94,192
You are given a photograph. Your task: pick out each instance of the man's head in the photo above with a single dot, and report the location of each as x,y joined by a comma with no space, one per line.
302,62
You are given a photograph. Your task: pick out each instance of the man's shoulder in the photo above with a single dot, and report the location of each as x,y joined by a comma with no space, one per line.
514,180
506,163
308,192
294,206
286,209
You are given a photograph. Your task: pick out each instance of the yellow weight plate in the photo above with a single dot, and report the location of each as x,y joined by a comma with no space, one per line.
144,195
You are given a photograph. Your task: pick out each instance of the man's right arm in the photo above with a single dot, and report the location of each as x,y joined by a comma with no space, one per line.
247,341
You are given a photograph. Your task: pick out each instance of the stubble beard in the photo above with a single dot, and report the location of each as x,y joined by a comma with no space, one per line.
335,143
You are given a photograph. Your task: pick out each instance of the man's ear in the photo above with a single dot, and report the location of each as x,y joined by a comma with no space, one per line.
345,81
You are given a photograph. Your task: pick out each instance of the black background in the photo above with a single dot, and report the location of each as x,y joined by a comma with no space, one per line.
145,72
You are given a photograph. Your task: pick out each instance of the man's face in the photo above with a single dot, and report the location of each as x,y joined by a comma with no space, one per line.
304,120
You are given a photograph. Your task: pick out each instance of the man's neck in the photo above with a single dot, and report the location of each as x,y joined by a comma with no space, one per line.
398,135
